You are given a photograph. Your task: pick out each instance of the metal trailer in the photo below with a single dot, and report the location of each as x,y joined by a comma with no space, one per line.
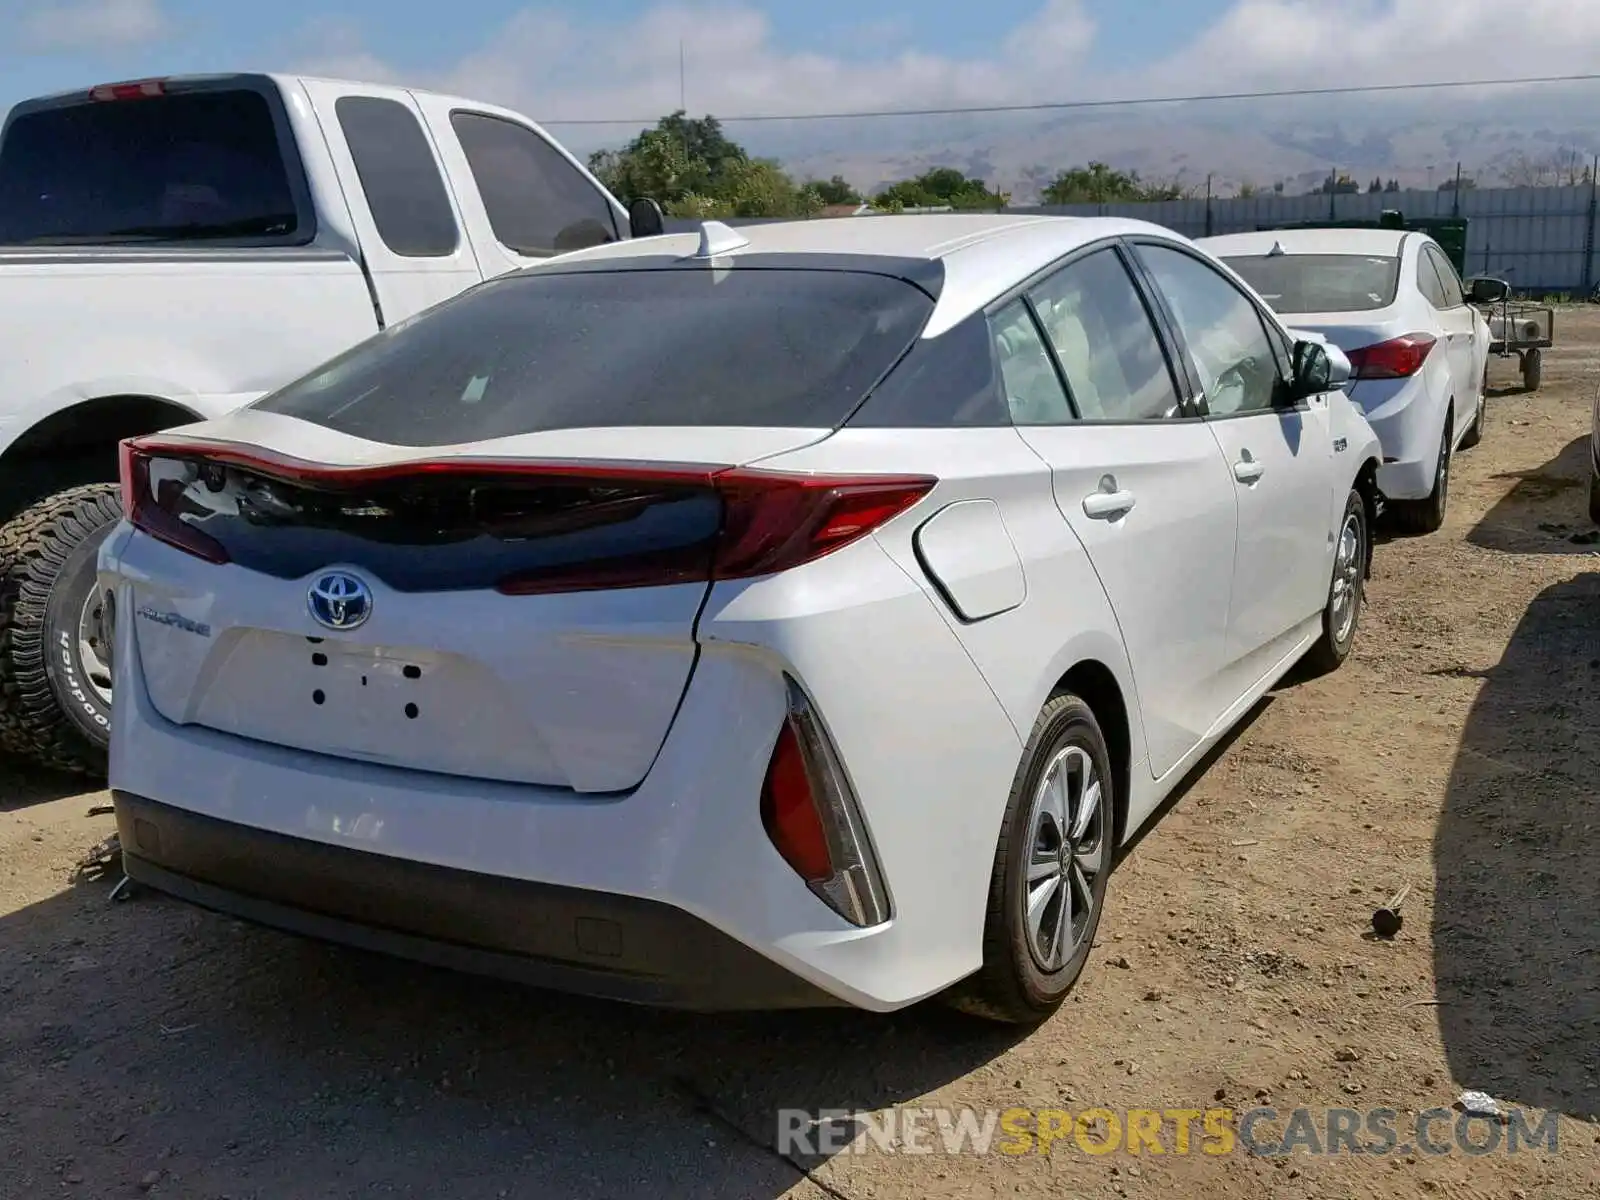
1516,328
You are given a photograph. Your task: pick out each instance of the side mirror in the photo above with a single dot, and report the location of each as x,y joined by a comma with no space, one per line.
645,219
1318,367
1484,290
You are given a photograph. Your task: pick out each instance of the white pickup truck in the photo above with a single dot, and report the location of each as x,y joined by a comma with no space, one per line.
173,249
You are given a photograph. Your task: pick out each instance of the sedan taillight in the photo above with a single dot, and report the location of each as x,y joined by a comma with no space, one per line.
1397,358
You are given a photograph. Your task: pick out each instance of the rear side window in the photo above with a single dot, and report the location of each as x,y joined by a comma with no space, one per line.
538,202
399,177
195,166
944,382
1321,283
677,347
1449,281
1428,282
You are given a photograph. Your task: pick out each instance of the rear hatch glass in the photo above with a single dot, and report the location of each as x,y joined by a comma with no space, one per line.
201,165
1321,283
547,350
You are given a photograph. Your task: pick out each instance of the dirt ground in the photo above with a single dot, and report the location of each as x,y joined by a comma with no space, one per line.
146,1045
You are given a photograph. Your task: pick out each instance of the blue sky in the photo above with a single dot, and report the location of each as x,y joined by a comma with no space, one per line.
67,43
586,59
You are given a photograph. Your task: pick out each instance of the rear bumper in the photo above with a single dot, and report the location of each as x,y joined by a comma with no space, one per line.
875,657
1408,423
567,939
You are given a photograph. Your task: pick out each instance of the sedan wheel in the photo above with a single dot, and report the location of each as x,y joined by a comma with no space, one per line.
1051,869
1345,591
1066,827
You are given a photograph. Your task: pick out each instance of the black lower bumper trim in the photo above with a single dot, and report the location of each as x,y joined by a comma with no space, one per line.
565,939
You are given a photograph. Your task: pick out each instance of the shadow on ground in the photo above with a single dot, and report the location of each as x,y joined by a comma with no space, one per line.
1517,861
23,785
146,1036
1546,511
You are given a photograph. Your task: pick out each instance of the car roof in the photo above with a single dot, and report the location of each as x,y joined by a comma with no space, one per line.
980,256
1307,241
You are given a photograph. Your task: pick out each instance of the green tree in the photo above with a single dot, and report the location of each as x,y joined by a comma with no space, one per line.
837,190
1098,183
692,168
939,188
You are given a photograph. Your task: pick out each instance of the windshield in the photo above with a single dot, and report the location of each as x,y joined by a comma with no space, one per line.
1321,283
197,165
678,347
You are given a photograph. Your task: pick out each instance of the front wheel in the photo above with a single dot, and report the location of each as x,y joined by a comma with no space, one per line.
1594,495
55,681
1342,614
1051,870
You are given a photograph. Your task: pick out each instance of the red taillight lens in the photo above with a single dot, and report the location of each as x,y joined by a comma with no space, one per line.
155,507
1398,358
771,520
809,811
774,522
136,89
789,811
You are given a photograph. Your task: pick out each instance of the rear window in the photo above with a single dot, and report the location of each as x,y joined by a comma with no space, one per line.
185,167
685,347
1321,283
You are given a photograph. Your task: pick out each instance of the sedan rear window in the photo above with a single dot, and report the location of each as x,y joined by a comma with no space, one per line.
672,347
1321,283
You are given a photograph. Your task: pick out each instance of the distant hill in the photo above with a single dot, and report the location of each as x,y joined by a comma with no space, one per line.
1500,141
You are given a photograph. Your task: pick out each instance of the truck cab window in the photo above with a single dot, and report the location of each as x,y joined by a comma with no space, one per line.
538,203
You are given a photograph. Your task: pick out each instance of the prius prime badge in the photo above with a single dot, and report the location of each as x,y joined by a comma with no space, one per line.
338,600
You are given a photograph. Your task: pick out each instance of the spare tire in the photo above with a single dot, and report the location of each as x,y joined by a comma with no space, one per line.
55,684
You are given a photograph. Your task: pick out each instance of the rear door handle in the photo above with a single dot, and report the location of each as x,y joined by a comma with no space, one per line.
1248,470
1107,506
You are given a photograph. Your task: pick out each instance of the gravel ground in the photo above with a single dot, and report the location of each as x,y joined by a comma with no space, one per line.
146,1046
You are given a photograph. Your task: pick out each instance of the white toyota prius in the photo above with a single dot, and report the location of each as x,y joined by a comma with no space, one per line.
788,616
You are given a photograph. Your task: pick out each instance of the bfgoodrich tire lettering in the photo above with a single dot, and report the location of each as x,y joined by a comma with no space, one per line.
1026,972
50,711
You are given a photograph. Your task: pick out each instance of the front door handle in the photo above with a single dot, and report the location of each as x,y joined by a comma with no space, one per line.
1107,506
1248,470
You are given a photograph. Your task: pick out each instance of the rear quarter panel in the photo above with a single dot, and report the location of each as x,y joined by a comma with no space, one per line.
208,330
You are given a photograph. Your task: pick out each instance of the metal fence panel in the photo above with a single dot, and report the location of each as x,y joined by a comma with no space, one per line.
1541,239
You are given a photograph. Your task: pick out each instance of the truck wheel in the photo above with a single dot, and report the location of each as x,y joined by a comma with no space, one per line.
55,687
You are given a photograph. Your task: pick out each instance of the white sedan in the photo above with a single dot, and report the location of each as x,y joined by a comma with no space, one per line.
1419,351
800,615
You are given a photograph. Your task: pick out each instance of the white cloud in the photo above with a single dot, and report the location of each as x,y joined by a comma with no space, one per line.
93,24
557,66
553,66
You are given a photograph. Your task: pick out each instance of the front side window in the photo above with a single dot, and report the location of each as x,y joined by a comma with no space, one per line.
538,202
542,350
1228,344
1108,347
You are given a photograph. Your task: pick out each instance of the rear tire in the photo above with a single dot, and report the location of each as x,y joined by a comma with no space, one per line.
1341,616
54,699
1034,952
1427,516
1594,495
1475,435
